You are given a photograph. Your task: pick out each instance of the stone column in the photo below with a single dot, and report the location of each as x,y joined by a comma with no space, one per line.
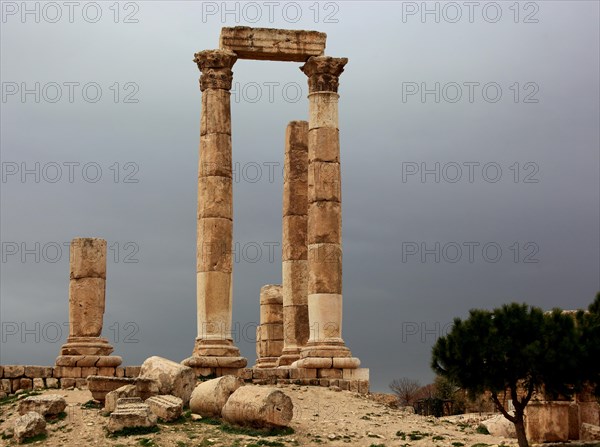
269,335
325,347
295,249
87,287
214,345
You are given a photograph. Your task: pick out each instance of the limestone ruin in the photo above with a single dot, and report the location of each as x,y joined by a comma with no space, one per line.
85,348
311,305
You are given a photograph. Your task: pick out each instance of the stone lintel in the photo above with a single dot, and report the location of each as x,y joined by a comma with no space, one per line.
272,44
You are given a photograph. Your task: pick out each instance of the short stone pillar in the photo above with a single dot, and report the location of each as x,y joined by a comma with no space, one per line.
87,285
325,347
269,335
295,249
214,348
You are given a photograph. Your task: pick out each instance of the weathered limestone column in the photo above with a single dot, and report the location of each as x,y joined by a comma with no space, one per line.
269,335
295,249
214,346
87,287
325,347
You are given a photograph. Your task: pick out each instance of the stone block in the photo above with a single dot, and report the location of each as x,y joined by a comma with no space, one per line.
6,385
81,383
324,184
363,386
295,282
272,44
13,371
72,360
112,397
547,421
88,258
52,382
29,425
208,398
131,415
38,371
589,432
356,373
344,384
66,371
45,404
67,382
295,197
25,384
119,372
166,407
107,371
258,407
324,144
353,386
99,386
220,192
303,373
108,361
89,371
329,373
38,384
245,373
215,155
172,378
322,110
294,238
216,113
86,361
214,245
324,382
86,306
324,222
326,274
132,371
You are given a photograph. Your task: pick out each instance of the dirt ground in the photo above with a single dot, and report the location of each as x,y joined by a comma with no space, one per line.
322,417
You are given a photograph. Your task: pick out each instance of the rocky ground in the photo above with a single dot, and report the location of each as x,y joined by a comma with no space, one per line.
321,417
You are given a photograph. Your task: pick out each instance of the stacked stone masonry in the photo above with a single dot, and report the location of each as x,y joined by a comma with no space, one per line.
28,377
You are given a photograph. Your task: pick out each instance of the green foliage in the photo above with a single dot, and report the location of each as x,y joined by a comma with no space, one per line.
497,350
588,327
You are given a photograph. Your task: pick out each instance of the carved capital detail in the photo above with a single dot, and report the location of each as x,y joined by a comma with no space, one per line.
324,73
215,66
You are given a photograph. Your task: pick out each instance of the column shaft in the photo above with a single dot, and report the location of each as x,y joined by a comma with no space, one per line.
295,249
324,218
215,214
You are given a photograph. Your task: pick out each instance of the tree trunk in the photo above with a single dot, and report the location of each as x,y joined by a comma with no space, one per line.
520,427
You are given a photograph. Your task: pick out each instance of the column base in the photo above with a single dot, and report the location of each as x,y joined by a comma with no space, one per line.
266,362
323,355
215,348
215,358
94,346
288,356
87,361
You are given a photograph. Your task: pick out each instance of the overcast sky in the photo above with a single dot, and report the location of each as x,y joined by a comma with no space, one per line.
496,179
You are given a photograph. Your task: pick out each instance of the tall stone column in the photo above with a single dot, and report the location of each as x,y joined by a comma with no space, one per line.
295,249
214,346
325,347
87,286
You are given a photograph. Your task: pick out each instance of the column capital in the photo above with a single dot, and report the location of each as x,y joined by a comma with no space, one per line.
323,73
215,66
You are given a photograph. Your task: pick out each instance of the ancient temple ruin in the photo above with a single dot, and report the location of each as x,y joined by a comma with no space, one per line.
312,212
